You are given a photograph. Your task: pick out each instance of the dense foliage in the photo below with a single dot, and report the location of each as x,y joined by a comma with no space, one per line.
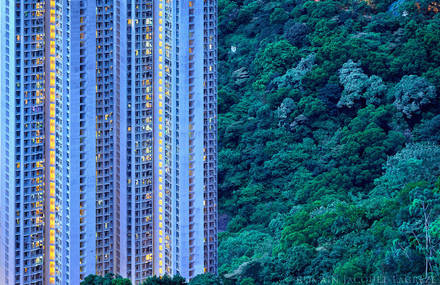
111,279
329,131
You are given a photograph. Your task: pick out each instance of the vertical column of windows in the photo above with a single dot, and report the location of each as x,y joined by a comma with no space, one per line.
105,164
161,123
114,220
18,193
176,70
63,37
140,140
30,133
51,144
116,86
130,137
167,61
82,140
210,136
56,26
191,109
8,243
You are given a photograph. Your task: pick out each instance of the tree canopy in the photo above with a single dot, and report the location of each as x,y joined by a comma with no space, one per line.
328,143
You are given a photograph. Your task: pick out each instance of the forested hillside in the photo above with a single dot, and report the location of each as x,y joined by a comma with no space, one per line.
329,124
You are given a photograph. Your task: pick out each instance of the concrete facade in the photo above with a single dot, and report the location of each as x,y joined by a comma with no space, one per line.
108,143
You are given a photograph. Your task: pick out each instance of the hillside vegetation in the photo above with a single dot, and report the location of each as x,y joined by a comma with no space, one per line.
329,124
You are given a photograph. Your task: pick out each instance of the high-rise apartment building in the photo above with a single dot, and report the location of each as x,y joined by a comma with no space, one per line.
35,142
108,139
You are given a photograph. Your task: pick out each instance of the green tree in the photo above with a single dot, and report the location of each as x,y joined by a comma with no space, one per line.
296,33
279,15
416,162
165,280
273,60
412,93
358,85
108,279
206,279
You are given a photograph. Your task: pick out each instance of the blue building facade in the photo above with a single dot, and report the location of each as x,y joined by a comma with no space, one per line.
108,148
35,142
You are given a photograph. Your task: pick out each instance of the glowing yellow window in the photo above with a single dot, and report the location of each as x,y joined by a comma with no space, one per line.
52,78
52,63
52,173
52,223
52,236
52,252
52,94
52,16
52,141
52,110
52,188
52,268
52,204
52,157
52,49
52,125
